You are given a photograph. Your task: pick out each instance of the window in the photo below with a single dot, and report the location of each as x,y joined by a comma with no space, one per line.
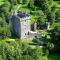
28,33
25,33
25,20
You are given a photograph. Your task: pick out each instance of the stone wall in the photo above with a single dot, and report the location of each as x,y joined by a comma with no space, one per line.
25,28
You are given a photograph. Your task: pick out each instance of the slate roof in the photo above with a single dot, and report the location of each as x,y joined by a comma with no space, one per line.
22,14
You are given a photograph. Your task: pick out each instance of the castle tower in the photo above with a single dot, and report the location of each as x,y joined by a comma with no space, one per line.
20,24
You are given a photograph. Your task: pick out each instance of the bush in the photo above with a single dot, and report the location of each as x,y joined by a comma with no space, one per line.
17,51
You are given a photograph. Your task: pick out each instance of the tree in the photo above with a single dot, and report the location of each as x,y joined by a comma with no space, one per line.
26,57
4,29
50,2
19,1
55,38
5,9
13,2
56,34
57,17
44,5
31,4
51,17
17,51
24,1
41,19
1,57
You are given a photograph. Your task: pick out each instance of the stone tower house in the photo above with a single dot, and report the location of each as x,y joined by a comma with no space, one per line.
20,24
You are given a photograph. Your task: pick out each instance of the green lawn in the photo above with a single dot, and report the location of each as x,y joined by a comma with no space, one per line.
54,57
51,57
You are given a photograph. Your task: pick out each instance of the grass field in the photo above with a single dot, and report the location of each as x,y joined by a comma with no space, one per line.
51,57
54,57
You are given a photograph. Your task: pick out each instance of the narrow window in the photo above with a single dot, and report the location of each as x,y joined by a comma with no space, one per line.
25,33
28,33
25,20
